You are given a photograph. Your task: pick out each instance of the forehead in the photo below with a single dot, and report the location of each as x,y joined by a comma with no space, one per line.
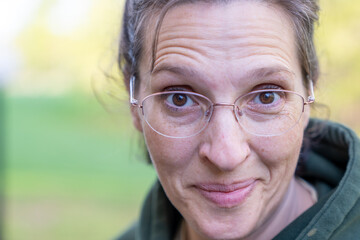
224,34
226,17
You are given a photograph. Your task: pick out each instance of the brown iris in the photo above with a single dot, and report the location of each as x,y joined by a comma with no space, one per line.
179,99
267,97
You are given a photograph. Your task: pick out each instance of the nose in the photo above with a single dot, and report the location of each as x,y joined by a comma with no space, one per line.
225,144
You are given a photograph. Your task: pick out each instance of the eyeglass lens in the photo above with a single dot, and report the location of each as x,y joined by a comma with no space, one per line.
183,114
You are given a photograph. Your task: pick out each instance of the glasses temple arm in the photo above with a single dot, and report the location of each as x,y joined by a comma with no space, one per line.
133,101
311,98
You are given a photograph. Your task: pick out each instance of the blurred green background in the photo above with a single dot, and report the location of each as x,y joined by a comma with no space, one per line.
74,171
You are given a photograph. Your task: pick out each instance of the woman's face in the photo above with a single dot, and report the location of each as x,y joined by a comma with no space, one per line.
225,182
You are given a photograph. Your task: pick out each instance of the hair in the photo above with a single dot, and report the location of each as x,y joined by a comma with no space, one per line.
138,13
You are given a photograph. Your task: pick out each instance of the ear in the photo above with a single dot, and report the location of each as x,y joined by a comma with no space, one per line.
136,118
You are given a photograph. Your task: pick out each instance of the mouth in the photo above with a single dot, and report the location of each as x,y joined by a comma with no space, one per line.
226,196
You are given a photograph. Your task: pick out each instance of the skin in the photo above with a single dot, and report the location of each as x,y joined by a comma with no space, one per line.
221,51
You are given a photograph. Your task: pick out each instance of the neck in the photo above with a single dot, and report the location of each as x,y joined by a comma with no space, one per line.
296,201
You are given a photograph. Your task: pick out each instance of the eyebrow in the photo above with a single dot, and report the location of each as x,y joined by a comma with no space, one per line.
258,73
268,71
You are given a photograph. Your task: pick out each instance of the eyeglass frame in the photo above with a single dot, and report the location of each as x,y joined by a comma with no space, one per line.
134,102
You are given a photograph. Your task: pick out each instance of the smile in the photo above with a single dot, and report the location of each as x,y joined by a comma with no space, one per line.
226,196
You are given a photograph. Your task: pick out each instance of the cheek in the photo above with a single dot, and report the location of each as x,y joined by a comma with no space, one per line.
170,157
280,153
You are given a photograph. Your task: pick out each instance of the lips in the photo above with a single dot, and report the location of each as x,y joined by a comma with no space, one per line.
226,196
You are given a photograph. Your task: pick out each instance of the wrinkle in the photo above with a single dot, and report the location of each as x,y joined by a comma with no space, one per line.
190,54
227,53
213,45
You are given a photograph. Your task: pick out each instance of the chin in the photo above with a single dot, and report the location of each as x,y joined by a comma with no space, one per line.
218,230
225,236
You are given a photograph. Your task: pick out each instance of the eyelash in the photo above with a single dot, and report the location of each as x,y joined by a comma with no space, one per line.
267,86
177,88
189,89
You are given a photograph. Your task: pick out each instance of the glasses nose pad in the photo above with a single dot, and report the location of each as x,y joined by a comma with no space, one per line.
208,113
238,112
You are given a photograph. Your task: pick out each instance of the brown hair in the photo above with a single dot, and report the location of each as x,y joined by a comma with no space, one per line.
137,13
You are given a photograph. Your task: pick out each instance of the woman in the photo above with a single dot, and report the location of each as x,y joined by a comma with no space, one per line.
221,91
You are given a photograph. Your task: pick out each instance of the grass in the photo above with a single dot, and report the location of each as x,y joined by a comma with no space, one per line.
72,170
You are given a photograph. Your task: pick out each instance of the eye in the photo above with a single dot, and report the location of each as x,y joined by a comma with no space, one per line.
179,100
264,102
266,98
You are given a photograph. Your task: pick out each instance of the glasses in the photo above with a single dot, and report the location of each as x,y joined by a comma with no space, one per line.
181,114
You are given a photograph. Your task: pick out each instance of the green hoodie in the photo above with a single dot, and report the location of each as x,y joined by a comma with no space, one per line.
331,165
